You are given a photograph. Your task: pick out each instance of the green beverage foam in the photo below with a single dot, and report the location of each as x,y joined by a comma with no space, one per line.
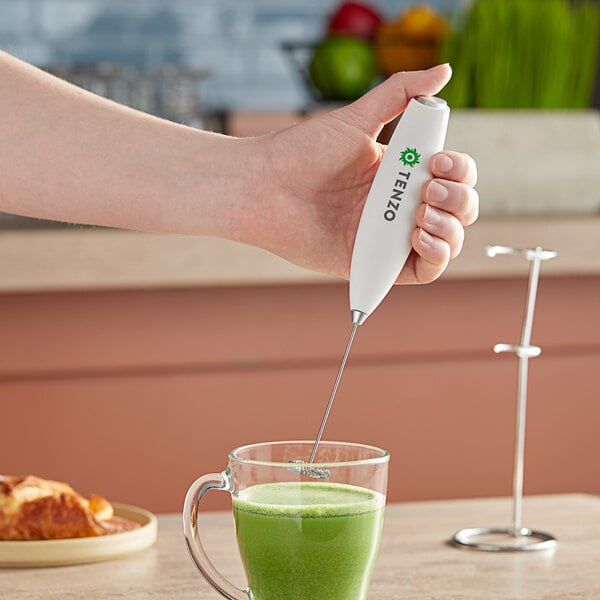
308,541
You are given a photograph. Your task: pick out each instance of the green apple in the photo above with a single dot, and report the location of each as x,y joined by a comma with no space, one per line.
343,68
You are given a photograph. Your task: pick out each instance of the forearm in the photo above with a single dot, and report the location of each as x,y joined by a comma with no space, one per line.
68,155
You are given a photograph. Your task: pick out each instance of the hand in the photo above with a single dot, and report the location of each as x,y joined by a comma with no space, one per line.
319,173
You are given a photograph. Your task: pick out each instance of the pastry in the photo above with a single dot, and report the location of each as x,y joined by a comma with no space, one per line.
32,508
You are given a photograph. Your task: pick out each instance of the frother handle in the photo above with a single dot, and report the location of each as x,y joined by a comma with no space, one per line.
383,239
213,481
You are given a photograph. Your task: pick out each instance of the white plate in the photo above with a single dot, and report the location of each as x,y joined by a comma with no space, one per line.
46,553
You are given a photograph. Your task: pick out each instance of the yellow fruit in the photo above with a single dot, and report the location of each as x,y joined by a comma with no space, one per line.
421,22
412,41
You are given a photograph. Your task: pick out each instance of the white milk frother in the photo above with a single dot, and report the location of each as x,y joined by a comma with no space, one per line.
383,239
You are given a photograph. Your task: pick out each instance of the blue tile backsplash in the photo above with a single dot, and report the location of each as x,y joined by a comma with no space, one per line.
237,41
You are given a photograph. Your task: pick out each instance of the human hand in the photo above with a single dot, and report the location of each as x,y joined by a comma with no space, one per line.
320,172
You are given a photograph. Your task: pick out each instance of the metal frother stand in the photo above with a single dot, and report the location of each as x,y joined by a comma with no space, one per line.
517,537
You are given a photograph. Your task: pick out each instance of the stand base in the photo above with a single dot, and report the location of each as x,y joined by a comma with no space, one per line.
498,539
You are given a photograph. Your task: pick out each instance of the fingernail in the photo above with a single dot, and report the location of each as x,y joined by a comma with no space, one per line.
442,163
431,215
425,238
436,192
441,66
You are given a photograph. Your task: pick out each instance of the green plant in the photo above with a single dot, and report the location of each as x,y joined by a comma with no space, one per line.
524,54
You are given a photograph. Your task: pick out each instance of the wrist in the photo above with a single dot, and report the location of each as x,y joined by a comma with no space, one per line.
217,181
244,210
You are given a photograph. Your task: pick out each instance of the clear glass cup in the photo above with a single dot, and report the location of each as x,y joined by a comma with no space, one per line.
305,530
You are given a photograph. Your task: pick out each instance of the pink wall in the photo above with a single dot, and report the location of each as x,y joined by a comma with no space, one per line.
133,394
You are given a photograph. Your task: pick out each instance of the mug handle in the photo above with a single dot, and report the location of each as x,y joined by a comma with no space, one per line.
212,481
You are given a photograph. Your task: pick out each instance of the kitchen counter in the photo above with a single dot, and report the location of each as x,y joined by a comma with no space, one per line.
100,259
415,560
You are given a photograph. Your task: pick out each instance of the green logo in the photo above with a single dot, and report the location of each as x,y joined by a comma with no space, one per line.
410,157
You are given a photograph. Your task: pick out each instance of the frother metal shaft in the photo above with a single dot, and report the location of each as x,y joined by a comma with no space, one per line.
383,238
333,393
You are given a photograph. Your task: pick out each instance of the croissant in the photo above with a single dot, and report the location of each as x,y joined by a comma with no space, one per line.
32,508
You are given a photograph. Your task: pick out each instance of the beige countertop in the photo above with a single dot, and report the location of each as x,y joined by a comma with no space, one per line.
415,561
95,259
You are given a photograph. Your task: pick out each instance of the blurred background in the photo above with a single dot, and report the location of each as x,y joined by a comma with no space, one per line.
253,67
130,363
237,43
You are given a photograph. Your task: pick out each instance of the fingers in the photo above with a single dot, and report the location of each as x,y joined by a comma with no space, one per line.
386,101
454,166
443,225
458,199
439,237
452,190
432,255
449,204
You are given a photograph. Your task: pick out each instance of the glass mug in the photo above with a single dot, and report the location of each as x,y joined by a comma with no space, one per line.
304,531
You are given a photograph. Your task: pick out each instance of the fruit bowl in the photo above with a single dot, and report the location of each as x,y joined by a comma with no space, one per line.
397,53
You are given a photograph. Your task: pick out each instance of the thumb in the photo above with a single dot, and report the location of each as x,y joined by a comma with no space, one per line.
386,101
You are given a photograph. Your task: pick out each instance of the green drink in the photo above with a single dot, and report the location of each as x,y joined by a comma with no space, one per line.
301,538
308,541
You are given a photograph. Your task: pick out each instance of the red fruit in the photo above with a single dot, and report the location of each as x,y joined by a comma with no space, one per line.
354,19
